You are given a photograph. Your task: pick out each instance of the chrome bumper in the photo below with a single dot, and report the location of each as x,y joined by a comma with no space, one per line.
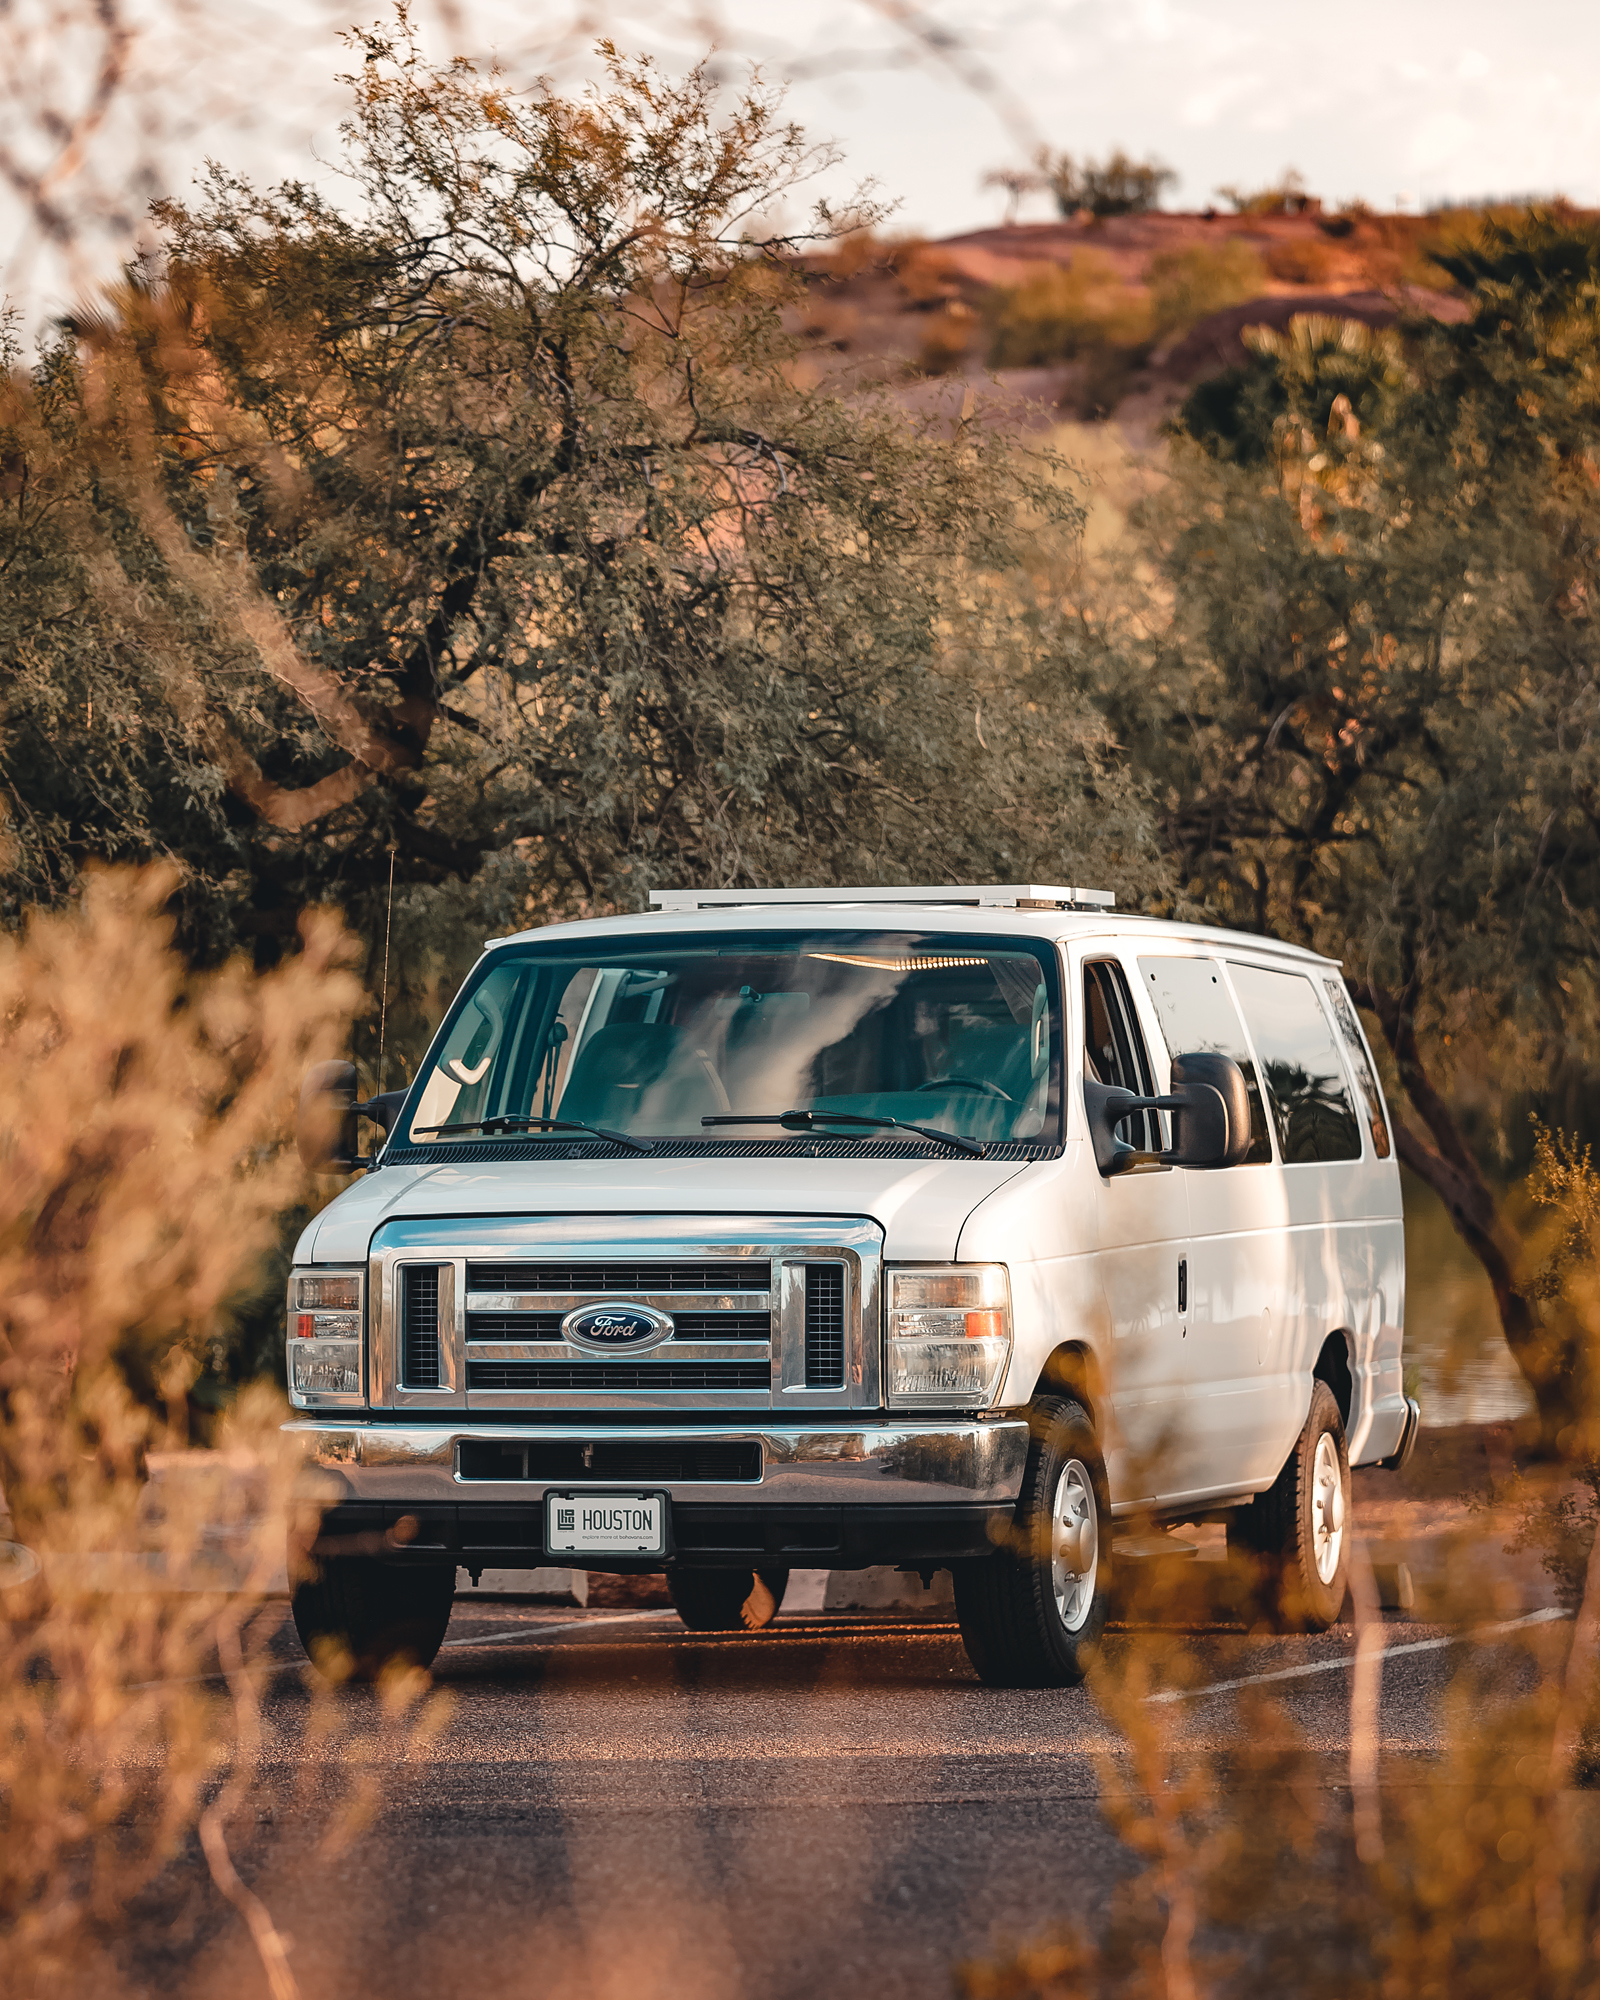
885,1463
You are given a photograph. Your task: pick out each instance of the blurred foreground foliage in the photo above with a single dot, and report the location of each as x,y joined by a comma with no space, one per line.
1466,1873
145,1113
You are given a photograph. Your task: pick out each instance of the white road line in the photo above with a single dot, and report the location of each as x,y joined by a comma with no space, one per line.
1349,1660
270,1667
537,1631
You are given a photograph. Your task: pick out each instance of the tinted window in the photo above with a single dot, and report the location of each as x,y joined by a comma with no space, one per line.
1197,1017
1306,1086
1345,1017
1113,1048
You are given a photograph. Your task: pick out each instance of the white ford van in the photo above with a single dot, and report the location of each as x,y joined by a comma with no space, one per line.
944,1227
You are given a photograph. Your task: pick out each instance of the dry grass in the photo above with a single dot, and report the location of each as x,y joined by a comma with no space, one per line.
143,1120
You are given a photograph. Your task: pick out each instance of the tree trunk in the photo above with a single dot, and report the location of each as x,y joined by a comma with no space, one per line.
1551,1361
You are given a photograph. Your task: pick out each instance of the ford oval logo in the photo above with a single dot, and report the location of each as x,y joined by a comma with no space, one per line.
608,1326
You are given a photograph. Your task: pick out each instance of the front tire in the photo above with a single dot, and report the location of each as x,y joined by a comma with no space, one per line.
358,1616
727,1600
1296,1535
1033,1614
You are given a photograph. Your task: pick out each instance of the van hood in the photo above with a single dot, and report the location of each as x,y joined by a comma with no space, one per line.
920,1204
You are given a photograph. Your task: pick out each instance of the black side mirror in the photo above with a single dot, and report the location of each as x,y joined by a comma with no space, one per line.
325,1125
1210,1105
1196,1141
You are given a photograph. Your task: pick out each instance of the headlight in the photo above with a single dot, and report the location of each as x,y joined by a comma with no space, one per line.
325,1336
949,1333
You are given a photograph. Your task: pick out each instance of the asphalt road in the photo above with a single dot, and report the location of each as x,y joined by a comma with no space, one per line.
612,1808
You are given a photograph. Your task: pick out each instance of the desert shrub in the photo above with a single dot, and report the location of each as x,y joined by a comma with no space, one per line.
830,323
946,339
1285,196
860,250
1563,1253
1118,185
1301,261
1062,311
1262,1871
144,1115
1187,285
927,277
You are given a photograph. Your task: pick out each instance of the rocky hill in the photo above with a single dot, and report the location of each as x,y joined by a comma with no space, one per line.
1091,318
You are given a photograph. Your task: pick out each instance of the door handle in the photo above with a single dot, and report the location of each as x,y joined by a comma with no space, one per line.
1183,1285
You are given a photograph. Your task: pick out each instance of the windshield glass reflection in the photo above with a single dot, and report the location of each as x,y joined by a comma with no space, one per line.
650,1037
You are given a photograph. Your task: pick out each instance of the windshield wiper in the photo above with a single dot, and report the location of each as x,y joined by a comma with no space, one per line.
806,1121
493,1128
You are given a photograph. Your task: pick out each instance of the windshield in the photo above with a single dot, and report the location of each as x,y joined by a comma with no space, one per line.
651,1036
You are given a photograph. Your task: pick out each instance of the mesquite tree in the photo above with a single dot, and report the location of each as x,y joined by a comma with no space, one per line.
483,526
1371,688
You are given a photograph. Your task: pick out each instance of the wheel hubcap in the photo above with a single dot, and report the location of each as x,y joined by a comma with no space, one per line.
1327,1507
1074,1545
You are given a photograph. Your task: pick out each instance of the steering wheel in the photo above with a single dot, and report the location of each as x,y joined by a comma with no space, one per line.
965,1083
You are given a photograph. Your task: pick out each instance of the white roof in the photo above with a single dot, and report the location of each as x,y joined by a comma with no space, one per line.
1033,915
972,895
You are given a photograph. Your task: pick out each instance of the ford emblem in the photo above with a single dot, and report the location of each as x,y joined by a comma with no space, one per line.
610,1325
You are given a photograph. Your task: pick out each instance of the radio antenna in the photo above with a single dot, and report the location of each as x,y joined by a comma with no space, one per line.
383,1002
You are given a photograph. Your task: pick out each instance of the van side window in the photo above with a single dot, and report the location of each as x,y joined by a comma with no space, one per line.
1356,1051
1198,1016
1305,1080
1113,1047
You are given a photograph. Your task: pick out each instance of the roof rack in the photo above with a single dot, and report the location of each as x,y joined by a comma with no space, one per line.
973,895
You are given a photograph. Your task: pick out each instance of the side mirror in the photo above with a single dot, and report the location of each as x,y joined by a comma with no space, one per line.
1210,1105
1200,1140
325,1125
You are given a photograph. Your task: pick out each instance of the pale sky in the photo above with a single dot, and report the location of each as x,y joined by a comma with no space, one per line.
1380,99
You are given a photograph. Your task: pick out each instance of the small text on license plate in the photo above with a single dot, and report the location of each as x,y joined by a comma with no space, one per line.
631,1524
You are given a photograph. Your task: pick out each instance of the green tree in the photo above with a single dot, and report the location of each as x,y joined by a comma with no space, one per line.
483,528
1370,699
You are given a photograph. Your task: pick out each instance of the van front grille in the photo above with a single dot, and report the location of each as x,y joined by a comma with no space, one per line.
419,1326
601,1376
743,1274
687,1326
824,1326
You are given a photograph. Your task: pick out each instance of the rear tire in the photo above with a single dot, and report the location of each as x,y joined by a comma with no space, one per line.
358,1615
727,1600
1295,1537
1033,1614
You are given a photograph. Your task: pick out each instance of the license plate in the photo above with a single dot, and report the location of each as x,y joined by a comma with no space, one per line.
605,1524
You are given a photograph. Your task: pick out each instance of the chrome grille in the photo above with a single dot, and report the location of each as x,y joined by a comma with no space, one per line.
602,1376
767,1312
825,1290
419,1326
743,1274
686,1326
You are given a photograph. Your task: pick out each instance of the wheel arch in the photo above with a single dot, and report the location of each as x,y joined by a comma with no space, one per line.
1071,1369
1334,1365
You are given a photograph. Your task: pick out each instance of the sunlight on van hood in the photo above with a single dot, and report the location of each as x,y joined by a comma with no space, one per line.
921,1204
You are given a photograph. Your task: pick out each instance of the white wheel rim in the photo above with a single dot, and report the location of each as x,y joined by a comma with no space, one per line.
1327,1507
1074,1545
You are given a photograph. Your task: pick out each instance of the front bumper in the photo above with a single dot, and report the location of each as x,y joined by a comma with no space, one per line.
825,1494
